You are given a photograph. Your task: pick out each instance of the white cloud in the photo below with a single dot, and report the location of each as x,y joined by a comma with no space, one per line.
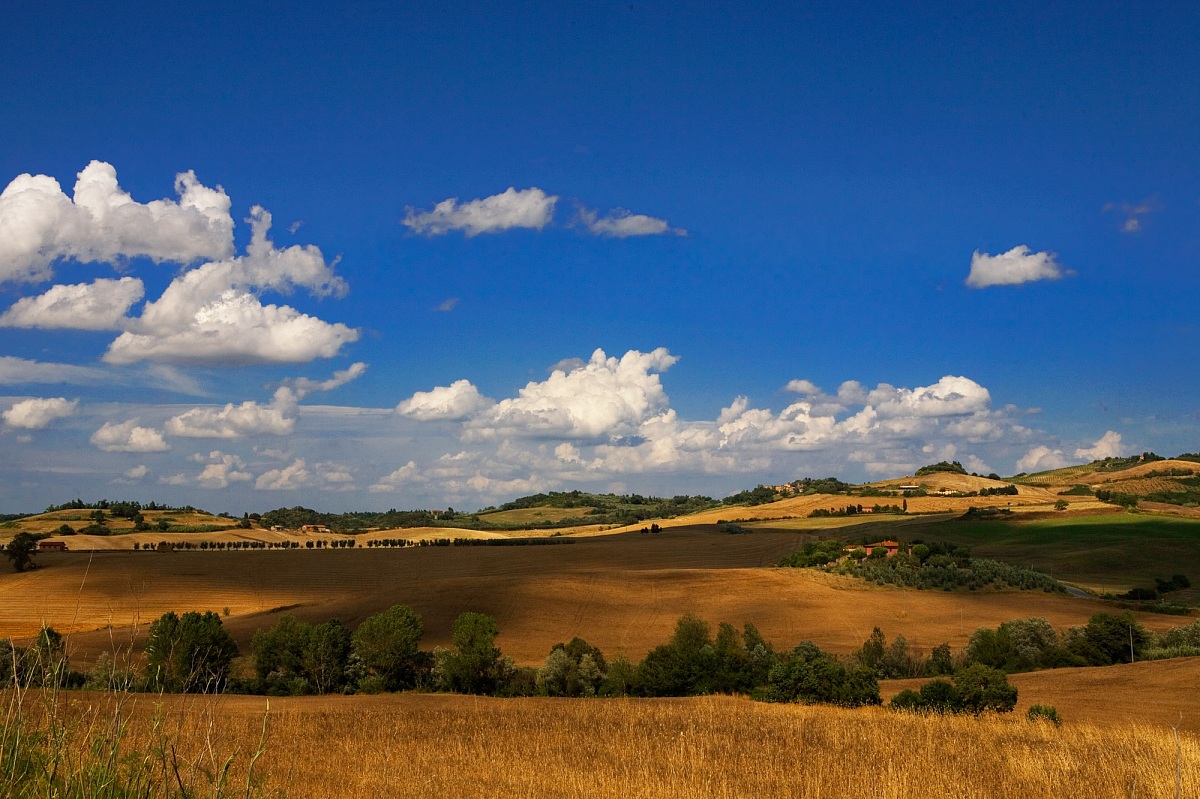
604,398
805,388
237,421
40,224
1109,446
620,223
1012,268
488,486
950,396
303,386
220,470
289,478
18,371
136,473
408,473
447,305
1042,459
974,464
35,414
128,437
458,400
1133,212
525,208
100,305
212,314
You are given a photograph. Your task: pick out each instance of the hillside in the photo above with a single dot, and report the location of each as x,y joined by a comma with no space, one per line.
1146,693
623,593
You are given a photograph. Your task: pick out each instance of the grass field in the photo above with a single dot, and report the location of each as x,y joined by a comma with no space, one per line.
409,745
1112,552
622,593
534,515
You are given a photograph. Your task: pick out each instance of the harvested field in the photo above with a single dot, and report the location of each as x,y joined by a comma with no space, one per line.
408,745
622,593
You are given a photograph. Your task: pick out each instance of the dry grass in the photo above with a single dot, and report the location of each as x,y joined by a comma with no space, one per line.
1158,692
622,593
422,746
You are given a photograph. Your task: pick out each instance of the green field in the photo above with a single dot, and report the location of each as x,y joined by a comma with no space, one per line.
1104,553
534,515
1112,552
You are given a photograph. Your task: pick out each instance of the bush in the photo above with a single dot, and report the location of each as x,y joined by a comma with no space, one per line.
977,689
983,689
1043,713
808,675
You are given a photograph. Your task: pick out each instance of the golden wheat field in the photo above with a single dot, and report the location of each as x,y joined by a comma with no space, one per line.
409,745
622,593
1157,692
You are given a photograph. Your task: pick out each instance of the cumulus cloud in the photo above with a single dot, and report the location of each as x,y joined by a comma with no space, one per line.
128,437
620,223
100,305
237,421
489,486
408,473
1041,459
950,396
604,398
1108,446
976,465
1012,268
212,314
221,469
293,476
805,388
40,224
35,414
458,400
513,208
136,473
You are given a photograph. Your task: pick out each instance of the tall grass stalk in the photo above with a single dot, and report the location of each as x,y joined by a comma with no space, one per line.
108,745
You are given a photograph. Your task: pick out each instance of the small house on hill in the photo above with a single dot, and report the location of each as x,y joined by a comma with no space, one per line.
52,546
314,528
892,547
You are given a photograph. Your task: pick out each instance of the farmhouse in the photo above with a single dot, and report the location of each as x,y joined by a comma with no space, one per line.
892,547
314,528
51,546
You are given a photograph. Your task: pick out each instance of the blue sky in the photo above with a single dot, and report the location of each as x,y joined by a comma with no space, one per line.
837,239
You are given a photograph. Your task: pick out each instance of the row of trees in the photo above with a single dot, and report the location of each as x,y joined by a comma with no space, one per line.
194,653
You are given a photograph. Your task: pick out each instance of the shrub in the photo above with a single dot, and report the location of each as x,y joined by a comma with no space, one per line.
808,675
982,689
1045,713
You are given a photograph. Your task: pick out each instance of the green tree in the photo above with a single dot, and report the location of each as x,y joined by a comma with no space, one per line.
388,644
808,675
1109,639
981,689
326,656
20,551
683,666
620,678
475,665
191,653
940,661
